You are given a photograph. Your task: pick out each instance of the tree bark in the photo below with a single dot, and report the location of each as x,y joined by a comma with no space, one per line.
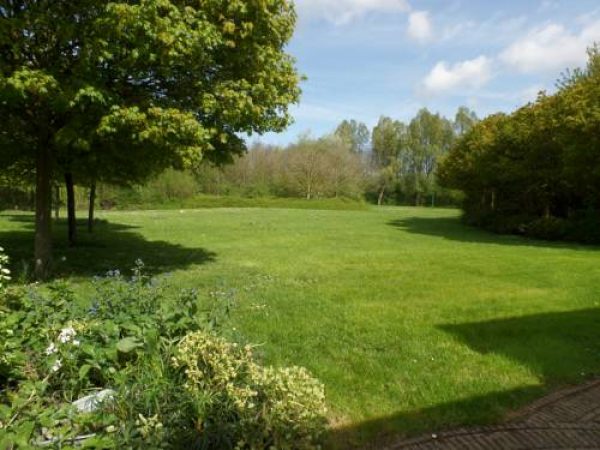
43,214
91,208
71,217
57,202
380,198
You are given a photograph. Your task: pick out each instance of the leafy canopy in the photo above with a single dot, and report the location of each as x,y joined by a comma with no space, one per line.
150,83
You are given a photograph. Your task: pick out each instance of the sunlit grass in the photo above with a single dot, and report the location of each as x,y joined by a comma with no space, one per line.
413,321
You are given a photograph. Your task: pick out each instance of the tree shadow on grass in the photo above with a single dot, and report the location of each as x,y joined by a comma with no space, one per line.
453,229
111,246
386,431
560,348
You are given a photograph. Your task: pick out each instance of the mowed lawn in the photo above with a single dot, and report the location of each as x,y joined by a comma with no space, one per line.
413,321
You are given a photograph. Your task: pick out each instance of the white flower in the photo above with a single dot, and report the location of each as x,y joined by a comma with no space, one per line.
66,335
76,343
57,365
51,349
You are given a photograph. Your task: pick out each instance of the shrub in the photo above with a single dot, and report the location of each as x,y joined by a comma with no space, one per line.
548,228
174,382
246,405
4,271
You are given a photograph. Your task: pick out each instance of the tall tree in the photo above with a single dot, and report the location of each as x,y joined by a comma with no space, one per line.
464,120
129,88
307,167
354,134
536,171
387,143
430,136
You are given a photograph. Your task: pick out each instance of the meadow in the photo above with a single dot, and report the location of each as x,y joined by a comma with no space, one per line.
413,321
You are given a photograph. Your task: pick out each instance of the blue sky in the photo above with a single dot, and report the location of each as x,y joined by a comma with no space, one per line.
367,58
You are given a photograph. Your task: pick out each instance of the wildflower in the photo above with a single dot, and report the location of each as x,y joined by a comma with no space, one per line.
76,342
51,349
66,335
56,366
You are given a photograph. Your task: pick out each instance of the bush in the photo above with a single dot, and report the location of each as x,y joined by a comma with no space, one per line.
4,271
548,228
584,226
246,405
150,351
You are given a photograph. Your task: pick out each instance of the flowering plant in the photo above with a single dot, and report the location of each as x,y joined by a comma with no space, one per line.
172,381
4,271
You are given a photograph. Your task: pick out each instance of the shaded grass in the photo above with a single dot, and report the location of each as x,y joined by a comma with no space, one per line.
413,321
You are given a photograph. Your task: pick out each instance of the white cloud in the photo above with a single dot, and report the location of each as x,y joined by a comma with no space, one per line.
341,12
550,48
470,74
419,26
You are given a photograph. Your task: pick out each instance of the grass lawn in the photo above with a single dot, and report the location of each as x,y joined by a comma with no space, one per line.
413,321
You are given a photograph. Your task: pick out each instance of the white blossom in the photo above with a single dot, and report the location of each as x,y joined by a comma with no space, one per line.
51,349
56,366
66,335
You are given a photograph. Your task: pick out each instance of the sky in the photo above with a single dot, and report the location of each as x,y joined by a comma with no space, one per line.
368,58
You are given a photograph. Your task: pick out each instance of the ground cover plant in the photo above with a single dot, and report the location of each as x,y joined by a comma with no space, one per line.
412,320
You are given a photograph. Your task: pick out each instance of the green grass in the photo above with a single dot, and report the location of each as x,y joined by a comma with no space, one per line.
413,321
201,201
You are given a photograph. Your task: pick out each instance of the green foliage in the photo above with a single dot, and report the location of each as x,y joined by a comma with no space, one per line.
58,347
535,171
120,91
4,270
354,134
405,157
247,405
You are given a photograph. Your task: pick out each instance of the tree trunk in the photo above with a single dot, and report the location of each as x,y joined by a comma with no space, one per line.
92,205
57,202
71,218
380,198
43,214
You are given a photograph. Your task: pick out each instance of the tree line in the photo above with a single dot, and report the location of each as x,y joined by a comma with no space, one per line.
536,171
392,163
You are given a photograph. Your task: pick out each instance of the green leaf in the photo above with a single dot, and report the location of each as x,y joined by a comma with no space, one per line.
98,443
128,344
84,370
